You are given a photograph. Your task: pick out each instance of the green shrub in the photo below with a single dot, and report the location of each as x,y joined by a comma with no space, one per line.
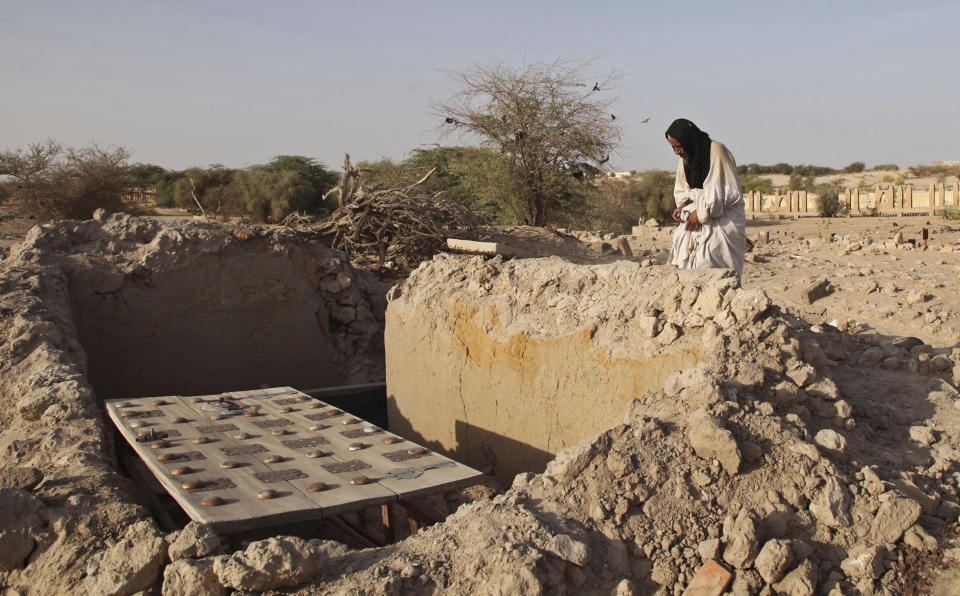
615,207
784,168
796,182
212,186
270,196
165,184
855,167
811,170
887,167
478,177
829,203
751,183
655,194
939,171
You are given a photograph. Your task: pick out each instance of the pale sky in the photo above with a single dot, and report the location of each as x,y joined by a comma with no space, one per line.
194,83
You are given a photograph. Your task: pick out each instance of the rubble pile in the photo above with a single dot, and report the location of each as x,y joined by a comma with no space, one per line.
798,456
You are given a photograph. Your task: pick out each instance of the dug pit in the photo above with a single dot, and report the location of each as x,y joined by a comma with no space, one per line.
193,309
125,306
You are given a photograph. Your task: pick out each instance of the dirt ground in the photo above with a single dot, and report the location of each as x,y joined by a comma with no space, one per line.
820,432
877,286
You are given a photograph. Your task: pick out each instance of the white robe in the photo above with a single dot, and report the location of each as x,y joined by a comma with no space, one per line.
722,238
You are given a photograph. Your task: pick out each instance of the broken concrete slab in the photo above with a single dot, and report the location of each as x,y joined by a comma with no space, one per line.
486,248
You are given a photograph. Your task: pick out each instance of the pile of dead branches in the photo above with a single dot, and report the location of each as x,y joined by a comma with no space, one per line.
395,228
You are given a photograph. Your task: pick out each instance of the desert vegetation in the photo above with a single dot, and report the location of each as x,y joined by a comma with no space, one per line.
50,181
539,141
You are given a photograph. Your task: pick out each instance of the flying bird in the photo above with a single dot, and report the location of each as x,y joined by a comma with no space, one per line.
644,121
604,160
613,117
450,120
596,86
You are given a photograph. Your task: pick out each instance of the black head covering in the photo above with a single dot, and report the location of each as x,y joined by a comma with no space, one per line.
696,147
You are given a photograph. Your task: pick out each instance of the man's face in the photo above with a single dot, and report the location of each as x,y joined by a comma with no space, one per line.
677,147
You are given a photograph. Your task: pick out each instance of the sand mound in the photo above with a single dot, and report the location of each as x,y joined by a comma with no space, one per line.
793,456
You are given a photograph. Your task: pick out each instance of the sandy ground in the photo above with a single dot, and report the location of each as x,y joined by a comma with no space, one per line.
896,419
877,286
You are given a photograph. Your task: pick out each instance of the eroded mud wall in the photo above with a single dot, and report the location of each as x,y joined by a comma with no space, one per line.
505,364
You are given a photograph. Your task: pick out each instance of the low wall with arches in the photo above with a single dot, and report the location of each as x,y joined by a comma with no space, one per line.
902,199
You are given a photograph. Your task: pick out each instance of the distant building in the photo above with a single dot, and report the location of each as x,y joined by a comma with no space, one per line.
946,163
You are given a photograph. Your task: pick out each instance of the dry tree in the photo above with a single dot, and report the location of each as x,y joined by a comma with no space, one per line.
550,125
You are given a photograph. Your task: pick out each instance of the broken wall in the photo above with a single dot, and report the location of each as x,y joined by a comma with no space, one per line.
503,364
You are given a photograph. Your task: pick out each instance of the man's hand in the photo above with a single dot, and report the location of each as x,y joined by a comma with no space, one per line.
693,224
676,214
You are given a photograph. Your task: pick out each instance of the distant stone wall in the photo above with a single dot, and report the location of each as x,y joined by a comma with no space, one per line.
502,365
901,199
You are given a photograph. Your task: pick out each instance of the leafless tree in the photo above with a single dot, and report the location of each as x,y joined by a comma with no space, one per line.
552,125
53,182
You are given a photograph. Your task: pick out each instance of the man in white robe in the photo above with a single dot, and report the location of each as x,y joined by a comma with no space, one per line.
713,228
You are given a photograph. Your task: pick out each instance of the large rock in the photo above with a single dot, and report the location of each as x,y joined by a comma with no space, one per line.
773,560
710,441
787,393
831,440
802,581
15,546
22,477
831,504
742,541
569,549
21,521
194,541
824,389
572,460
268,564
815,290
187,577
749,305
131,565
894,516
863,561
